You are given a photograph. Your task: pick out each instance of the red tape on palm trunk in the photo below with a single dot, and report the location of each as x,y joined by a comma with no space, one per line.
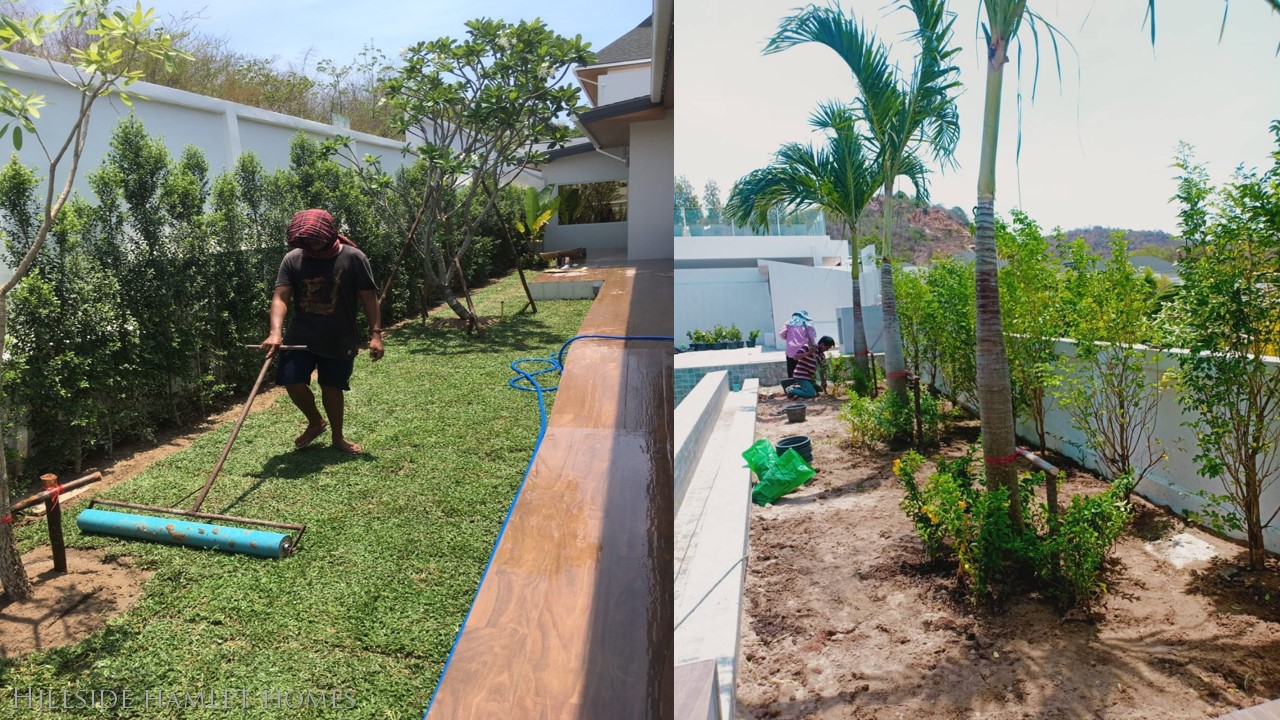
1006,460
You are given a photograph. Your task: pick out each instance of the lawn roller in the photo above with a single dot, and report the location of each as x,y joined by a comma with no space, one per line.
198,534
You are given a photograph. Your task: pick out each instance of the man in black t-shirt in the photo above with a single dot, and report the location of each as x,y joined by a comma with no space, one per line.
325,274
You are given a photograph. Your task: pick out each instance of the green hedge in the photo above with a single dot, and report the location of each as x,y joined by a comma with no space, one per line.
134,316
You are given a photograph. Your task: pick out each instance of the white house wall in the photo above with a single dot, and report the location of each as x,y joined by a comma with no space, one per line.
619,85
706,298
651,191
820,290
813,249
589,167
592,236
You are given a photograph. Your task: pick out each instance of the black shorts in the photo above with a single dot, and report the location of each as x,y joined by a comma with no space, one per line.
295,366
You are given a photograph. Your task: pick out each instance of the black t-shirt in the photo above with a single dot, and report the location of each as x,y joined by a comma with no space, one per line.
325,300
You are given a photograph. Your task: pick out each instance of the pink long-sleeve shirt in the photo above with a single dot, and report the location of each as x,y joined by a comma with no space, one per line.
798,337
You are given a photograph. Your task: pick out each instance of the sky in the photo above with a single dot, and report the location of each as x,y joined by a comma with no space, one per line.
1097,148
294,31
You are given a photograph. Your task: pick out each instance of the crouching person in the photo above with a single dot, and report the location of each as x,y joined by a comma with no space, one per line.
806,372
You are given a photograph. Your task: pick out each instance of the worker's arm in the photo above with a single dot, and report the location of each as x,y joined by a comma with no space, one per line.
369,299
279,308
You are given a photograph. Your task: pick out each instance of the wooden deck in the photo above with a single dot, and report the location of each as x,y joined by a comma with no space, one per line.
1265,711
574,618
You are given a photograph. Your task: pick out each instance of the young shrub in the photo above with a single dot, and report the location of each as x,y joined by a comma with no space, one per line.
860,413
1226,314
913,504
876,421
1087,531
1104,387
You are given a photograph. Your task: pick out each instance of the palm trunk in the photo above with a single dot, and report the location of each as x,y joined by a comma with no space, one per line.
13,576
995,397
861,353
895,362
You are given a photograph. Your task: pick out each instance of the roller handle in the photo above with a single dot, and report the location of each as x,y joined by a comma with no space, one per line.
244,413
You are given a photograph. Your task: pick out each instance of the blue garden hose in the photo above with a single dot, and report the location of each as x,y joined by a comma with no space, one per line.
553,363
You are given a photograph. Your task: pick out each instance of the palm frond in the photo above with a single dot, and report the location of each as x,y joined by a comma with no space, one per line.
840,178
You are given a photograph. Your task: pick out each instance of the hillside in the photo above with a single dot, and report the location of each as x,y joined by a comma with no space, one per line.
1149,242
922,232
919,233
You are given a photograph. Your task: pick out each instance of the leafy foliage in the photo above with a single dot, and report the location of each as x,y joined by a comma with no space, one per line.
873,421
949,324
1104,388
956,516
477,110
1032,314
1227,316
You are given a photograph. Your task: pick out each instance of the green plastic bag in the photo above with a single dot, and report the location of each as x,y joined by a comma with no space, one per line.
788,473
761,457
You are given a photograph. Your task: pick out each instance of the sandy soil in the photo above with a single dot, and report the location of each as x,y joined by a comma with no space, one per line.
67,607
841,619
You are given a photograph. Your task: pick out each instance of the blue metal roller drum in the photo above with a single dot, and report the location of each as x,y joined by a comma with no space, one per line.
184,532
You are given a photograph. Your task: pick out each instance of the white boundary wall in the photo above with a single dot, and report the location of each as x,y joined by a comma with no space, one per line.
223,130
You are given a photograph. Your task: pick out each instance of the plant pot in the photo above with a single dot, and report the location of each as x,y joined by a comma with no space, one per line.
739,344
722,346
800,443
751,343
795,412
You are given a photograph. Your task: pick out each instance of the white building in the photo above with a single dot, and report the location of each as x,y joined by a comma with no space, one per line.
756,283
630,139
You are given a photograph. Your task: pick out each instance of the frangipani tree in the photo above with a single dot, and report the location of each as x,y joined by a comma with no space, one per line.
122,43
905,117
839,178
488,107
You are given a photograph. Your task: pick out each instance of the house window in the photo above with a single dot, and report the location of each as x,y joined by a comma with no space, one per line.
598,202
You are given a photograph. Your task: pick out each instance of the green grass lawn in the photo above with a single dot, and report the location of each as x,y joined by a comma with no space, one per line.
395,545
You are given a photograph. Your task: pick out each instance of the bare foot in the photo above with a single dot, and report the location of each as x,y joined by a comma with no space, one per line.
309,435
347,447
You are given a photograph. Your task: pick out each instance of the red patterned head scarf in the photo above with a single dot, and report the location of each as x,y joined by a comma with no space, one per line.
310,226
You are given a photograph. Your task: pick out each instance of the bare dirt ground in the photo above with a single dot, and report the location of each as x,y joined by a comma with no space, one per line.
842,620
67,607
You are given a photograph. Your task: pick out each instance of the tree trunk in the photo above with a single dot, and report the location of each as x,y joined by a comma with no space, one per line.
1253,521
13,576
452,301
895,362
861,354
995,397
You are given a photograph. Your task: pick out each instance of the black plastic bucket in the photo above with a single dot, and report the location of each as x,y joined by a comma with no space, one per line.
795,412
800,443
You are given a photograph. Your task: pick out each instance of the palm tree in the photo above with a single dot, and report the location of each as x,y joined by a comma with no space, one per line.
839,178
902,116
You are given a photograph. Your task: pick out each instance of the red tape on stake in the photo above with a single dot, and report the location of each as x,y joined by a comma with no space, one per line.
894,375
1006,460
53,498
7,520
864,352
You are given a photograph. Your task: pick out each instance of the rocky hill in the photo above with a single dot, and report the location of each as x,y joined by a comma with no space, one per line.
922,231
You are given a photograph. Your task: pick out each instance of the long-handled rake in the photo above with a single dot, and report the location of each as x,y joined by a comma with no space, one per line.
198,534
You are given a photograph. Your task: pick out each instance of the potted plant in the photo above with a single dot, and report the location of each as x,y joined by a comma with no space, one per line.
751,338
720,336
734,336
